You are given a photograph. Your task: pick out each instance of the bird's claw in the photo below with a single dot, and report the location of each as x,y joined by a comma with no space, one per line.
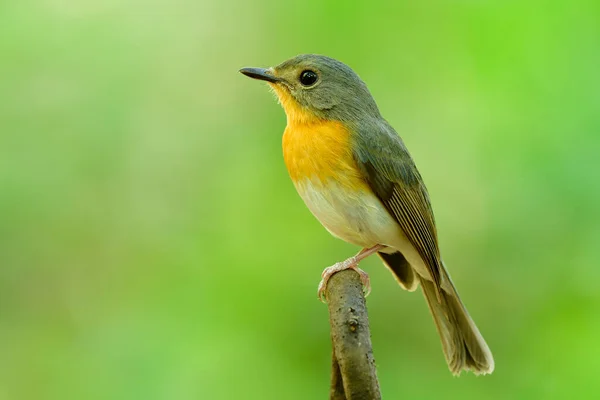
351,263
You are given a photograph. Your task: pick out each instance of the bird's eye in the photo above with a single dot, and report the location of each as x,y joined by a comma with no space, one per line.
308,77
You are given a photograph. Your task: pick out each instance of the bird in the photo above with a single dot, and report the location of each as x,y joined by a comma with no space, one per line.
356,176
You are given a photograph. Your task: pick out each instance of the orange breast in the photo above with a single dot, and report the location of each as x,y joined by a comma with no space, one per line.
320,151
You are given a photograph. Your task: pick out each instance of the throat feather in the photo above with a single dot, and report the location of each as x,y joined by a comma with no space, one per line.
320,151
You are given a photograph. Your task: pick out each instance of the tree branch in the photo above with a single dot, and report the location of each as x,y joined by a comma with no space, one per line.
353,375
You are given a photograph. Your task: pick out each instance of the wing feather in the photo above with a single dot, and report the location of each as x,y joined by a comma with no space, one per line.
390,171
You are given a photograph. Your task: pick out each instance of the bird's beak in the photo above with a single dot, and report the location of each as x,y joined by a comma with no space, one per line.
262,74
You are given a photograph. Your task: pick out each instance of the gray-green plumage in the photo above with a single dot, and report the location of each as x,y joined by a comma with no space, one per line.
392,174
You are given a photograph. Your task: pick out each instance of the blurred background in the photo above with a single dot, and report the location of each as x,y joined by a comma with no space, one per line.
153,247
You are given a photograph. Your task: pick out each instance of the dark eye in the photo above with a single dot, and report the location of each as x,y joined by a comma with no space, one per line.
308,77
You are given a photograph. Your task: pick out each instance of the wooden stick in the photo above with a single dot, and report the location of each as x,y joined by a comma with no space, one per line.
353,375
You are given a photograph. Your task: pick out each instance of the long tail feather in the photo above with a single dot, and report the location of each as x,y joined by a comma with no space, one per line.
463,345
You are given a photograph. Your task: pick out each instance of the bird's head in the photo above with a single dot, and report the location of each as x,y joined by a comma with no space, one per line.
311,86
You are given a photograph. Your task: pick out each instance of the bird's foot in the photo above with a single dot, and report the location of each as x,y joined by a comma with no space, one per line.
351,263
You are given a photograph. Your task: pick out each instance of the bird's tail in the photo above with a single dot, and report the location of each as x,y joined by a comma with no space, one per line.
401,269
463,345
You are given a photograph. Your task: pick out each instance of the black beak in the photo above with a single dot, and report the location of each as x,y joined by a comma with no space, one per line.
262,74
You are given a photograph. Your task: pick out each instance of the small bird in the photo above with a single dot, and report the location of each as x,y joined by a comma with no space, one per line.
356,176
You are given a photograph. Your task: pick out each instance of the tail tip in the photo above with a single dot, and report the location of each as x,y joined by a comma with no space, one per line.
476,369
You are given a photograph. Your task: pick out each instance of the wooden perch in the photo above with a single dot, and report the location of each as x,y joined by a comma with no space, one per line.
353,375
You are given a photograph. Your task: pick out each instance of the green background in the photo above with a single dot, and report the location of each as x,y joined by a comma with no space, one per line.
153,247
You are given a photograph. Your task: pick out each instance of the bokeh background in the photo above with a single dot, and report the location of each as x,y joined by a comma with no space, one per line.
153,247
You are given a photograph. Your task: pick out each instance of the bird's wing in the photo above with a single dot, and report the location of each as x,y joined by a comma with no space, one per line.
391,173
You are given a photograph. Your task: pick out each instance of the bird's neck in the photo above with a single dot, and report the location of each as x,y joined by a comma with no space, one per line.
297,114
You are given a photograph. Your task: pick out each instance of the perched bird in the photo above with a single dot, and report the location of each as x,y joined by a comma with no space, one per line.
356,176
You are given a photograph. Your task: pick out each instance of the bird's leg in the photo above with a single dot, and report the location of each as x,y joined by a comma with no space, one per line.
350,263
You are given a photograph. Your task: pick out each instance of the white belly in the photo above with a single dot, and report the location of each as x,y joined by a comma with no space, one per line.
359,218
356,217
